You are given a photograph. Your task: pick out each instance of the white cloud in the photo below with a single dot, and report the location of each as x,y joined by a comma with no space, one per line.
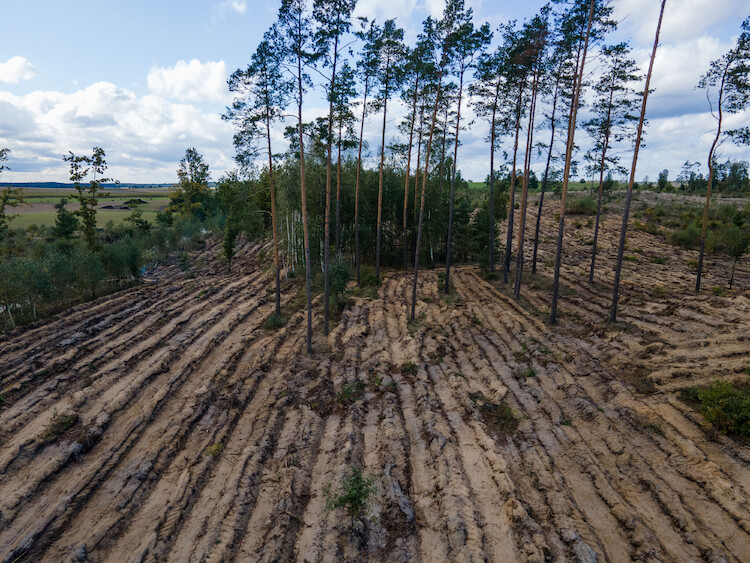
385,9
685,19
193,81
238,6
144,137
15,70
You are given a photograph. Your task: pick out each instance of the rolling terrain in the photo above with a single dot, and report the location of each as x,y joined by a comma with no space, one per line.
165,423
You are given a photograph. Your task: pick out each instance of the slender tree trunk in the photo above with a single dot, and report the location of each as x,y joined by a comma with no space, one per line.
380,179
711,168
546,176
338,195
424,186
441,172
626,211
731,277
308,269
356,185
408,166
577,85
453,189
273,217
525,188
492,180
512,202
327,227
605,146
419,154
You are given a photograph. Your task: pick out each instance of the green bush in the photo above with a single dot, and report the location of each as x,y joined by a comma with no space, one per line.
585,205
356,493
726,407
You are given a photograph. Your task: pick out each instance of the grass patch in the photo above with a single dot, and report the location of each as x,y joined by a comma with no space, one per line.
585,205
409,369
214,450
60,424
724,405
275,322
350,393
659,291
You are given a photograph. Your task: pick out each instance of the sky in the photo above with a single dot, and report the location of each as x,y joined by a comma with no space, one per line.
146,80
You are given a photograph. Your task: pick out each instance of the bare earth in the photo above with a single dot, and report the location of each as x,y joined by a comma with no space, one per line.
600,467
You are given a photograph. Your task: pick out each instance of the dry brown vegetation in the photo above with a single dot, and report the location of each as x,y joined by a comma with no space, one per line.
166,423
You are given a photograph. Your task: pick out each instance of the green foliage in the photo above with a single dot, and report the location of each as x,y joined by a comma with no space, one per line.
585,205
355,494
214,450
274,322
88,198
725,406
409,368
191,196
58,426
350,393
66,223
136,219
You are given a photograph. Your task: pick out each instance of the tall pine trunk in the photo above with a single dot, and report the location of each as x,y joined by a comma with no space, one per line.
424,187
356,186
512,198
711,169
546,175
492,180
408,167
453,189
327,227
626,210
308,268
273,217
380,179
605,146
577,85
525,188
338,195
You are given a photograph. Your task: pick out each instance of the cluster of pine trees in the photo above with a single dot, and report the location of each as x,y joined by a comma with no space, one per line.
534,76
327,206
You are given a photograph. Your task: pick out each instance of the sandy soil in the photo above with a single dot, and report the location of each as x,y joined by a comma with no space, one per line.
605,463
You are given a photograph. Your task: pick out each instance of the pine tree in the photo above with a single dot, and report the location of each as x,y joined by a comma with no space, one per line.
367,67
391,55
730,75
614,109
578,43
333,19
261,93
489,79
536,38
295,29
465,44
628,198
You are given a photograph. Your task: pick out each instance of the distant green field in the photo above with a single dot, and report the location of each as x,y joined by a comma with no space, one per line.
57,193
573,186
163,199
48,218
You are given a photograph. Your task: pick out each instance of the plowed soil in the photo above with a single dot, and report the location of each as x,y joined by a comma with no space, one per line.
164,423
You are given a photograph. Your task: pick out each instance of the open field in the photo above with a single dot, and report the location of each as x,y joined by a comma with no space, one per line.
39,206
165,423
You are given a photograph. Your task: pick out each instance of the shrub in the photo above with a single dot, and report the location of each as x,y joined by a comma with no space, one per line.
356,493
585,205
726,407
409,368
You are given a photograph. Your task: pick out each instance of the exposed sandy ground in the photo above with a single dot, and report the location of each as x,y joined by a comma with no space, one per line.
595,469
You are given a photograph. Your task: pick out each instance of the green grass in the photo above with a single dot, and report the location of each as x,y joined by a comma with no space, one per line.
725,406
25,220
